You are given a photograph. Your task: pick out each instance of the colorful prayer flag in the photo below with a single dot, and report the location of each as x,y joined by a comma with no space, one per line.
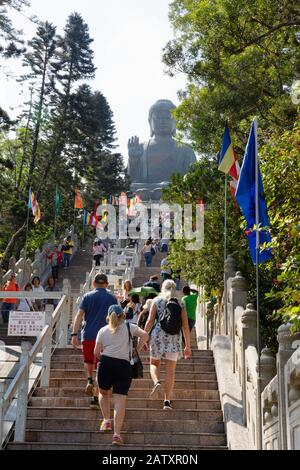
34,206
78,200
227,156
228,162
57,202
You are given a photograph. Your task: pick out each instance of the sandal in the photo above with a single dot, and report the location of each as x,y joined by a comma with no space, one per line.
117,440
105,426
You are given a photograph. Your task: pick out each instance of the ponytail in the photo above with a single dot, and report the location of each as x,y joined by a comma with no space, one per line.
114,321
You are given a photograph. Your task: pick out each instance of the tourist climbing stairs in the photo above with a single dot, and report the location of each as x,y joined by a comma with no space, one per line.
59,416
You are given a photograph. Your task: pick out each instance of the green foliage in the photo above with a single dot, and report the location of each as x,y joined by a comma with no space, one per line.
10,42
241,59
280,164
205,266
64,137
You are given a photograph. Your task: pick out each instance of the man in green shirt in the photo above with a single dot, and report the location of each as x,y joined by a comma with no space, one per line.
190,300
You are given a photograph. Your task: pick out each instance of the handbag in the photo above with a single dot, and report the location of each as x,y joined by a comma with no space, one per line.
137,369
153,252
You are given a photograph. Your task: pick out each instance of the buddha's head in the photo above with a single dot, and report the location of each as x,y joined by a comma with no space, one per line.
161,120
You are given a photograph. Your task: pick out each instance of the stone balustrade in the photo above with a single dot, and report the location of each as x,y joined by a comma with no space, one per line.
269,386
25,269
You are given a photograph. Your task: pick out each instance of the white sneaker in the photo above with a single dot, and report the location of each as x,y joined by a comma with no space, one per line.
156,391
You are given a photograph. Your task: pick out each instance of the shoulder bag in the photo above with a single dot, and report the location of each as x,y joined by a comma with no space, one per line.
136,363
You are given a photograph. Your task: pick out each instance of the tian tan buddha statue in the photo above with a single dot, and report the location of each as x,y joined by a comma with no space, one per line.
152,163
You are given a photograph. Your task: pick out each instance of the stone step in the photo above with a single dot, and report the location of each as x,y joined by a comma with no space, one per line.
67,351
70,352
92,424
180,375
131,413
197,360
137,383
140,393
56,400
186,366
98,447
134,438
144,270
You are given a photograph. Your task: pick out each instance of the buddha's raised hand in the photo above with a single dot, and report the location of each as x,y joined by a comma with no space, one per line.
135,149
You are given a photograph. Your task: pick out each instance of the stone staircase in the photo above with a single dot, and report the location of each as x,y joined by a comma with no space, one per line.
81,264
142,274
59,416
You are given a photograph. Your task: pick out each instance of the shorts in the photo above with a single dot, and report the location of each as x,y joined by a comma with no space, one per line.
88,352
114,373
170,356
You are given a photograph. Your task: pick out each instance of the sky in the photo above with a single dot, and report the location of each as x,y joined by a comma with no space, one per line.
129,36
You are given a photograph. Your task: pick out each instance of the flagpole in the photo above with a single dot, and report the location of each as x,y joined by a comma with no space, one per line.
74,217
257,285
83,228
225,253
27,233
55,209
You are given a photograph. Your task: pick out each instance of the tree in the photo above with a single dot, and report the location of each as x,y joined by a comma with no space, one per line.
10,42
9,36
241,59
205,266
74,62
38,58
91,143
65,137
281,159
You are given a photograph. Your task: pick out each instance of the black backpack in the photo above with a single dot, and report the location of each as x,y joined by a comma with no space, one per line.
128,312
170,319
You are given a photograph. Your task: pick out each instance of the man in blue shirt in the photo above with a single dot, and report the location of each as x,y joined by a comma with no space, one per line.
92,313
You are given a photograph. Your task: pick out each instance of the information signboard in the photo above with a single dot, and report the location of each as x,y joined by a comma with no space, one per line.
26,323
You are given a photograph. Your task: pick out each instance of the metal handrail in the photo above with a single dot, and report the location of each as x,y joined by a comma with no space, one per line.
42,345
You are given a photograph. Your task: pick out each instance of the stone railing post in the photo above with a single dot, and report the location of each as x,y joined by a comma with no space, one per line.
237,297
27,271
229,271
249,337
12,263
285,350
47,349
209,320
268,409
20,426
65,315
267,367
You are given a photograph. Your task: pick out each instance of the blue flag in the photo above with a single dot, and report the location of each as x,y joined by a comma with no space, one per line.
85,217
245,196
